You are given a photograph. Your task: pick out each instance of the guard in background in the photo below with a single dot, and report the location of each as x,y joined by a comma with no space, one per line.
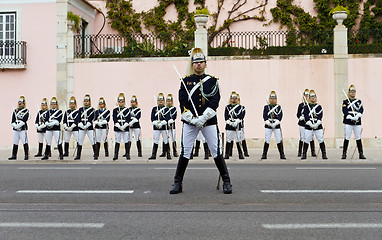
101,125
53,119
241,131
195,151
41,126
171,123
272,115
313,114
135,127
301,124
199,99
70,125
159,119
85,124
233,116
19,124
121,117
352,109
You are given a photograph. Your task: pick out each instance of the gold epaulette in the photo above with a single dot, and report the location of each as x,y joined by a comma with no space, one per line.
185,110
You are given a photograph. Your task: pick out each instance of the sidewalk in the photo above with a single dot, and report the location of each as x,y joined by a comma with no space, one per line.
373,155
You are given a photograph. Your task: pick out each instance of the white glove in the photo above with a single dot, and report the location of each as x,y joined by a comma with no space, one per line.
36,125
187,116
103,122
159,124
234,124
55,123
237,121
301,118
96,123
171,121
309,123
124,126
357,116
88,124
65,126
41,127
163,122
132,122
118,125
81,125
349,117
155,123
71,127
20,125
268,123
229,122
275,123
207,115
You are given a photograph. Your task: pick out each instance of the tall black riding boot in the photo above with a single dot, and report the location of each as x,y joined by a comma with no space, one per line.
174,151
66,149
227,149
47,153
116,151
163,154
230,149
222,167
345,149
95,151
265,150
178,179
304,150
39,153
60,152
192,153
323,150
154,152
79,150
300,144
26,151
127,149
360,149
98,148
196,148
168,152
106,146
14,152
139,147
206,150
280,147
313,148
241,156
245,149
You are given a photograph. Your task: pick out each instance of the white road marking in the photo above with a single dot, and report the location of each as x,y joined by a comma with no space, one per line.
333,168
77,191
321,191
54,168
322,225
50,225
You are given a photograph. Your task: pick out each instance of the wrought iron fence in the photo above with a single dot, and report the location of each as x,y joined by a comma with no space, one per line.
13,53
365,41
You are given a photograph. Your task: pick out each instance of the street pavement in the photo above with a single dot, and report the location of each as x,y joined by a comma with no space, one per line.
271,199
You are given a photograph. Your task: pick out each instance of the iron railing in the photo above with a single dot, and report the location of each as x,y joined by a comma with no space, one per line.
13,53
365,41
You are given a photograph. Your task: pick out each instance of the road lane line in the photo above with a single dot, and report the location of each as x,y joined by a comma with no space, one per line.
77,191
321,191
54,168
332,168
50,225
322,225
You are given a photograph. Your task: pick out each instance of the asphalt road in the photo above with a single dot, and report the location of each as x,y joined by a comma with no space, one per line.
132,201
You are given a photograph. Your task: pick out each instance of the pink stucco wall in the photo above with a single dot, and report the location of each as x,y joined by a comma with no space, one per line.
38,80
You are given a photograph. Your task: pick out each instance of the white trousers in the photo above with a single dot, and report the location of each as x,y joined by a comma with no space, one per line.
68,135
241,134
276,132
81,136
20,135
136,132
232,135
211,133
49,136
309,135
157,134
101,135
302,133
124,135
40,137
200,137
357,129
172,134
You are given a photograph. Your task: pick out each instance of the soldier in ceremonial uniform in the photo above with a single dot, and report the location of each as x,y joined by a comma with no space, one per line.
352,109
52,120
272,115
241,131
199,98
40,126
234,118
313,114
101,124
135,127
159,119
121,117
301,124
171,122
19,124
70,125
85,124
